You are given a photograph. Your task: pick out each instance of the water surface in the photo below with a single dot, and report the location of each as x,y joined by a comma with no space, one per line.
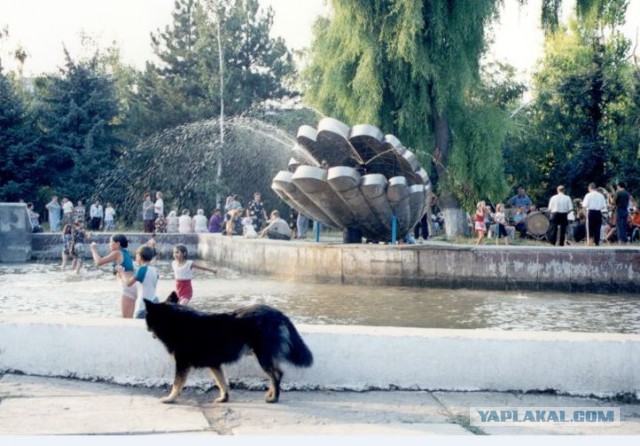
41,288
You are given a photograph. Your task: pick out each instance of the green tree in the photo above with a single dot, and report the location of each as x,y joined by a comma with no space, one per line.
20,169
412,67
78,116
409,67
185,85
579,125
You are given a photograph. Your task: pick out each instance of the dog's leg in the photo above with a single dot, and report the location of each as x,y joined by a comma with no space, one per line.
178,383
275,376
221,382
270,367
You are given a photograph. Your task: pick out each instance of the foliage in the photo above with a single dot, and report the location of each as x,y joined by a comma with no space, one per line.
580,127
77,118
411,67
287,119
20,169
185,86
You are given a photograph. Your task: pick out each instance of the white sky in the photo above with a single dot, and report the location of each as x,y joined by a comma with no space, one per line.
42,26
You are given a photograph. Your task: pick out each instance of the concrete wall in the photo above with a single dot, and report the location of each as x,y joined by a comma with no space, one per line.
49,246
15,233
432,265
346,357
606,270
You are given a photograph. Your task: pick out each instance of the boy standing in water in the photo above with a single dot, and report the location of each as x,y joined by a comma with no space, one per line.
146,278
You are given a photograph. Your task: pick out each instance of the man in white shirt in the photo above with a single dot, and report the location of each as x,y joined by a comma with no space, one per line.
277,228
96,213
594,203
559,205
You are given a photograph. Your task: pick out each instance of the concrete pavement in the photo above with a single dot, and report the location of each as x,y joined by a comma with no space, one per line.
34,405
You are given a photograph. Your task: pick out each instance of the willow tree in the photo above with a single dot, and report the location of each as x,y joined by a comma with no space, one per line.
408,66
412,68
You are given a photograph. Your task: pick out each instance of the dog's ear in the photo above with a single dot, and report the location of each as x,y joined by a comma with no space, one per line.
172,298
148,304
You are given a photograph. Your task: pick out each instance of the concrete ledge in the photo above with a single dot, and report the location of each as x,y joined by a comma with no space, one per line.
346,357
49,246
582,269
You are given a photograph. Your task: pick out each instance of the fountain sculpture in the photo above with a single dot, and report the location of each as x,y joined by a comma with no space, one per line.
354,179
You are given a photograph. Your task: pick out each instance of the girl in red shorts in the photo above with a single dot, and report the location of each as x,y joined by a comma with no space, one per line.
183,273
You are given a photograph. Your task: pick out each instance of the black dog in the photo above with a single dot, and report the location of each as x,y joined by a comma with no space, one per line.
198,339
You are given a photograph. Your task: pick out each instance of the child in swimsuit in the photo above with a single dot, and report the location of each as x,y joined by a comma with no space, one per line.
120,257
145,278
183,272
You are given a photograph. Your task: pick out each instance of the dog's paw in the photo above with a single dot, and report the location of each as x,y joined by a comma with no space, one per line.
167,400
271,398
222,399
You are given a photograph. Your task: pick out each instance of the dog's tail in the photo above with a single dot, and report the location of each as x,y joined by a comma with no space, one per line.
296,351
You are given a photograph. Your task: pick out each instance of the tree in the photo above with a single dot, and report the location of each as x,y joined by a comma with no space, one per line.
408,67
184,86
19,166
78,117
580,123
412,67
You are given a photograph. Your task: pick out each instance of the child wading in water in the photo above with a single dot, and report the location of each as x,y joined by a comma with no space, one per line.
183,272
119,255
67,244
79,237
146,278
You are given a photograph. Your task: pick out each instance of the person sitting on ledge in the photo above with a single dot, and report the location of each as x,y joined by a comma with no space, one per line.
277,228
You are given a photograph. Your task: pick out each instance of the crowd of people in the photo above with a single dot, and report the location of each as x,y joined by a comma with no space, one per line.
609,216
601,215
232,219
62,213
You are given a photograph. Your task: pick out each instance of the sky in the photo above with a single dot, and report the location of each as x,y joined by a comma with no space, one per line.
41,27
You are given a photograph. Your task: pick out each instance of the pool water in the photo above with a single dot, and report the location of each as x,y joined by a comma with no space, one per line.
41,288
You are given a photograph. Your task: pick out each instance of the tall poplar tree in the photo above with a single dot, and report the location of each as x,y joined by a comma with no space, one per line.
582,124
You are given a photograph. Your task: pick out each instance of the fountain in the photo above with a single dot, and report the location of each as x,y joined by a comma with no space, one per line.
182,163
356,179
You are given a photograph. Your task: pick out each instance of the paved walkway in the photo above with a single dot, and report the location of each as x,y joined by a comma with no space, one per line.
49,406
